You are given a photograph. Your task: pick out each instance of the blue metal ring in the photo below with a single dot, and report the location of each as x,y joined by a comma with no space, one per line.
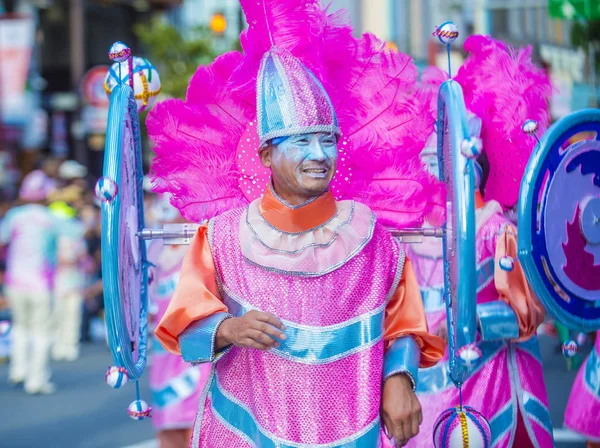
122,107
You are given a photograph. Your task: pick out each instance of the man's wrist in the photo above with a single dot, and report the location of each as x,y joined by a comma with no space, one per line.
402,377
223,336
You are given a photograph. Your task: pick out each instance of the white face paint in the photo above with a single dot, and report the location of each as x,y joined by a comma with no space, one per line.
304,165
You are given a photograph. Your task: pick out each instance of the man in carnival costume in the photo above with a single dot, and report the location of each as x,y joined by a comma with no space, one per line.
306,306
504,88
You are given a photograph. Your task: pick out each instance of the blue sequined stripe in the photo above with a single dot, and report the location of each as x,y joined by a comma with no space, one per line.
321,345
501,423
177,389
538,412
238,418
436,379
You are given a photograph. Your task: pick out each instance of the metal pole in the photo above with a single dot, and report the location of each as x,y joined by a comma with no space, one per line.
77,44
176,234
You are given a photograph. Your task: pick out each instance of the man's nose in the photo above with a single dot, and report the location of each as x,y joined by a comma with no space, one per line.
316,152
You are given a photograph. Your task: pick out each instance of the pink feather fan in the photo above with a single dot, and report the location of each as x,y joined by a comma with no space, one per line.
383,120
504,88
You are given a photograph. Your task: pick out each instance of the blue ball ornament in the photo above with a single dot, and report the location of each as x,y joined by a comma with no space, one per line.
471,147
116,377
530,127
507,263
446,33
119,52
469,355
106,189
570,348
460,427
139,410
581,339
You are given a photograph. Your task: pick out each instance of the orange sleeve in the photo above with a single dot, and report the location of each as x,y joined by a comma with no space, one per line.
196,295
405,316
513,288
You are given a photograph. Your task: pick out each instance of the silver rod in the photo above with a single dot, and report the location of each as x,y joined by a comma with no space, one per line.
435,232
157,234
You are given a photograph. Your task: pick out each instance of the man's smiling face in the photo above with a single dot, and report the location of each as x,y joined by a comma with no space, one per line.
302,166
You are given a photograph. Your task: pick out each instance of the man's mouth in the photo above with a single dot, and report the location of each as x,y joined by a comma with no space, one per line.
316,172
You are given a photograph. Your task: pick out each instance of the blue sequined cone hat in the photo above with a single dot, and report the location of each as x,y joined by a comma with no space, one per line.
290,99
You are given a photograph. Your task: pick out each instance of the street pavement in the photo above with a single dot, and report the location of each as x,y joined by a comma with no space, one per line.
86,413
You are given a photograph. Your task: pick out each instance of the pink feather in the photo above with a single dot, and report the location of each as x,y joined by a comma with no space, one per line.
372,90
505,88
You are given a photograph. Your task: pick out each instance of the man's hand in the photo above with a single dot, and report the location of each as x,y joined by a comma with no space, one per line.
253,330
400,409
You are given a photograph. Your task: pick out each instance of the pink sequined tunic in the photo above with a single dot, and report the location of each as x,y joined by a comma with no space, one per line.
322,386
509,377
583,409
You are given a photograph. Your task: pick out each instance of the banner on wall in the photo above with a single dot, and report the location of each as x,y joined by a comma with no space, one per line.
16,46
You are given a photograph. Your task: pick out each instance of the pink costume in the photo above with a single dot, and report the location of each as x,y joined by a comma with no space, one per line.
583,409
176,385
507,384
329,269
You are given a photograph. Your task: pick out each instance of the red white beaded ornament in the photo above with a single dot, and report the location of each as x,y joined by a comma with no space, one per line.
116,377
139,410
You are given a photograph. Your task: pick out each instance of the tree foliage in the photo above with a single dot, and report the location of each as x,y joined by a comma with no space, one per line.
175,56
584,33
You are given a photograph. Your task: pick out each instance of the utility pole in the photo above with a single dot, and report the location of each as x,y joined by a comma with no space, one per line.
77,44
480,18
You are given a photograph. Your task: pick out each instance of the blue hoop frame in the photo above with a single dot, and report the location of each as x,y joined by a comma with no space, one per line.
578,314
122,107
459,176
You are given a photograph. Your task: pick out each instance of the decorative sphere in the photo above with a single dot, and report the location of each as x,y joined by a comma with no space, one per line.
116,377
507,263
581,339
5,327
119,52
139,410
570,349
530,127
106,189
146,81
446,33
456,428
471,147
469,354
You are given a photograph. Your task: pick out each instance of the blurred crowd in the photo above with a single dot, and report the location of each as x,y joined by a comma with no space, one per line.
50,271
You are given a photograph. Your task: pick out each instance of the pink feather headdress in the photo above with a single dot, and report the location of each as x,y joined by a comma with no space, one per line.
504,88
203,143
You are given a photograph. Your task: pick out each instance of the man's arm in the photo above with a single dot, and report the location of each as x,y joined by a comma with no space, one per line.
409,346
517,314
196,308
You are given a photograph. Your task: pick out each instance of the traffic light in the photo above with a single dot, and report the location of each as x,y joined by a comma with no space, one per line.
218,23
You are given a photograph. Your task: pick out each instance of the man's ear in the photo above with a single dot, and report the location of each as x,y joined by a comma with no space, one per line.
265,156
